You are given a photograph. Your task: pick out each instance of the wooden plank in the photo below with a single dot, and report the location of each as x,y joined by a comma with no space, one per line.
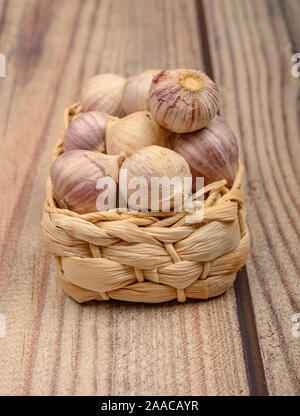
251,44
53,345
253,360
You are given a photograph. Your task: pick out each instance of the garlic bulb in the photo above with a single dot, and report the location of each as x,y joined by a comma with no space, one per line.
87,132
136,90
146,172
74,176
104,93
183,100
212,152
129,134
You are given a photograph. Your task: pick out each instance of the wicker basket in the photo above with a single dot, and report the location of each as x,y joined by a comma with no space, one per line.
146,257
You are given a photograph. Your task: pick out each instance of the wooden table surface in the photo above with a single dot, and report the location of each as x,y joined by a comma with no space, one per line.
241,343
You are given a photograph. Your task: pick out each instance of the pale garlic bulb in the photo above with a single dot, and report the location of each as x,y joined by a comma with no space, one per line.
183,100
129,134
136,91
152,164
212,153
104,93
74,176
86,132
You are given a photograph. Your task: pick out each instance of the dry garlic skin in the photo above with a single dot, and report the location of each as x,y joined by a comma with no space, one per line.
104,93
136,91
129,134
152,164
74,177
183,100
86,132
212,153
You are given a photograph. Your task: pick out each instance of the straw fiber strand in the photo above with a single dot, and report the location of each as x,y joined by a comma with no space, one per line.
148,257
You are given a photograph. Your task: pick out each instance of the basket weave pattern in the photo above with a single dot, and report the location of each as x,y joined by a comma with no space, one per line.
148,257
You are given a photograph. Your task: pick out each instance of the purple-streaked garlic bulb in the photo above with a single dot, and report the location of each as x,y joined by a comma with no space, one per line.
212,152
103,93
183,100
74,177
86,132
136,91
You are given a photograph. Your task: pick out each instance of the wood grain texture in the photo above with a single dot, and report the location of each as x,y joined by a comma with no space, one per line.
55,346
251,44
253,360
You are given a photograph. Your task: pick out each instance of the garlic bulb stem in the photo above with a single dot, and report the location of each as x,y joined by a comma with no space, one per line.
191,81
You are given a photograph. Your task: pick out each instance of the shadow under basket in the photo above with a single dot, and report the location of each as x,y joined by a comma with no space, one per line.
148,257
